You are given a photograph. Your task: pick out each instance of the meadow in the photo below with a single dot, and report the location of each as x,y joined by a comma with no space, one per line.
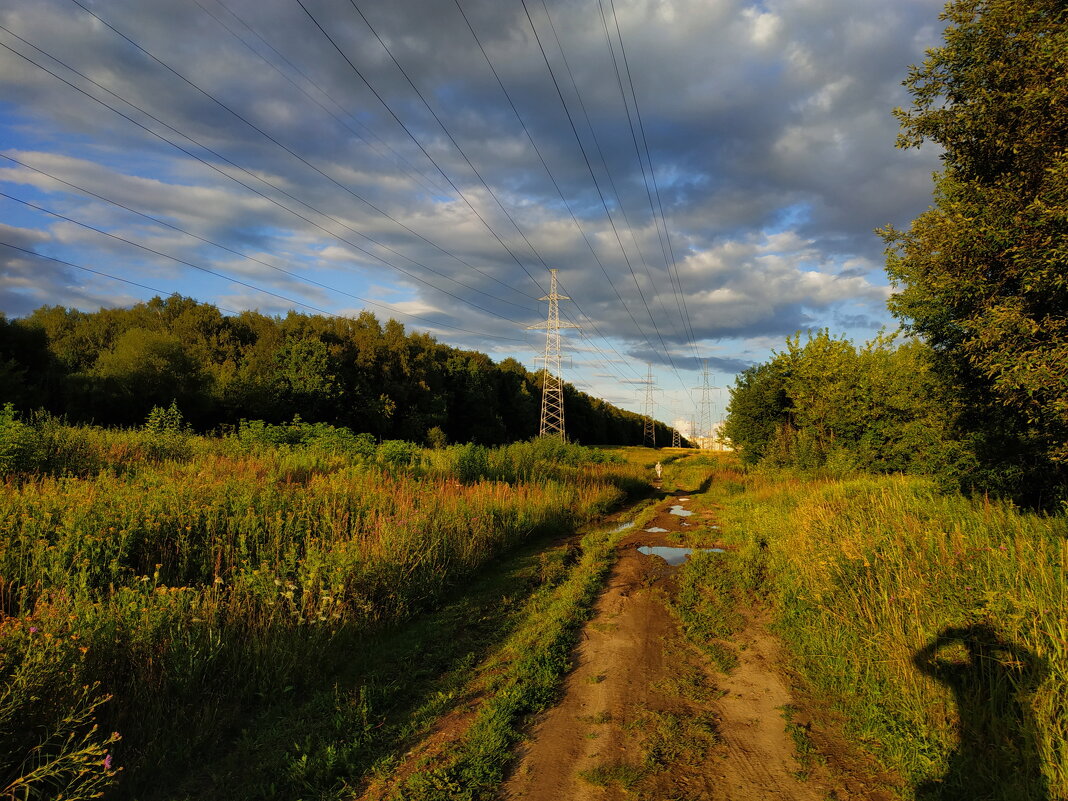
932,623
160,588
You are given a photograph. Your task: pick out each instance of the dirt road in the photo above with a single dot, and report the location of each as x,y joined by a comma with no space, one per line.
646,715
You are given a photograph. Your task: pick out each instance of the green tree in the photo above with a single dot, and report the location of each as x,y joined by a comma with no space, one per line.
759,406
821,382
145,369
983,274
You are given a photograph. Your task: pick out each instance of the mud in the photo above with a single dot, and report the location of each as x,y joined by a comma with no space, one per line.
633,668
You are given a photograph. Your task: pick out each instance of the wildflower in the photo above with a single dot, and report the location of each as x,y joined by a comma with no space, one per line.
107,762
33,629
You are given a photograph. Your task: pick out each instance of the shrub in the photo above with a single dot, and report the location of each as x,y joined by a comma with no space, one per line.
20,445
395,453
166,436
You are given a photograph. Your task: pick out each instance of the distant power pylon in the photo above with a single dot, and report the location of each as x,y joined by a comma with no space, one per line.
704,410
676,438
552,385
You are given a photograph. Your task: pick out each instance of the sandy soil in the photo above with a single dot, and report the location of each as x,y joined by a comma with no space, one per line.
634,673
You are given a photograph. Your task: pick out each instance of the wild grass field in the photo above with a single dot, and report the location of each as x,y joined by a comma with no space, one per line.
159,589
934,623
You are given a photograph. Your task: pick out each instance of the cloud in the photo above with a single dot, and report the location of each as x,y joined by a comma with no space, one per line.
29,280
768,128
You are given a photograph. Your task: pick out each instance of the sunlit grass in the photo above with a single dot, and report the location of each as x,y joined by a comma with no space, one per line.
886,589
193,584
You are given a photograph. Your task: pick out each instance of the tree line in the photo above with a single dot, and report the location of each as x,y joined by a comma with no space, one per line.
979,397
113,366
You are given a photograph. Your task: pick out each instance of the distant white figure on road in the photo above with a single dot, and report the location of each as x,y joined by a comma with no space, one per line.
659,470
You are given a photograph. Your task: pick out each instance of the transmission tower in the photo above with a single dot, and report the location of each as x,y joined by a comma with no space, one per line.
676,438
648,405
552,385
704,410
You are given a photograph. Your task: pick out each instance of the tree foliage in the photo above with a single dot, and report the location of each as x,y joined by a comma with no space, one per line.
983,274
826,402
115,365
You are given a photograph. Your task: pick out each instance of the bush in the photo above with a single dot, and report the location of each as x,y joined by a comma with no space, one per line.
396,453
470,462
435,438
336,439
20,445
166,436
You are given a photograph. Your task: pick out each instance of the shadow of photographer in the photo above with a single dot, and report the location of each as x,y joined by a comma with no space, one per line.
996,756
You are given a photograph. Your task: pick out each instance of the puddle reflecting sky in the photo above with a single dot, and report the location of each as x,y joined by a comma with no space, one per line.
673,555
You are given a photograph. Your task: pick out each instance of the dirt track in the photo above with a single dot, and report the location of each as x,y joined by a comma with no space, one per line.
645,715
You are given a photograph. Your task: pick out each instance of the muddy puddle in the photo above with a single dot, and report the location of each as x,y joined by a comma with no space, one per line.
673,555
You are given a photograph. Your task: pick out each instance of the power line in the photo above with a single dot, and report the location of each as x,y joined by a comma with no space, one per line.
300,158
165,224
447,132
552,178
656,189
596,183
641,165
259,130
241,183
238,281
273,140
412,136
105,275
411,168
612,184
590,168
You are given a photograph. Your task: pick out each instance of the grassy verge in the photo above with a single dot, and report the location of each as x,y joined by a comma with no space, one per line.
934,623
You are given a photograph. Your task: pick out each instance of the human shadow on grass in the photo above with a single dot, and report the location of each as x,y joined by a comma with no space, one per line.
996,758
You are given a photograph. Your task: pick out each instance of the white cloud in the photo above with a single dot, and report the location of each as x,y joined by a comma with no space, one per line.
769,127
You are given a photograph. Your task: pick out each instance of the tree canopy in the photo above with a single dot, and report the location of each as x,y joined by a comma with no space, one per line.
825,401
982,275
113,366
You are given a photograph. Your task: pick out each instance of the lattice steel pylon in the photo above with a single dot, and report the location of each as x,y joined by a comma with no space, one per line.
552,385
703,434
648,406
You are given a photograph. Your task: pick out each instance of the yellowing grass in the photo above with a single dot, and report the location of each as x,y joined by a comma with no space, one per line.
189,591
928,618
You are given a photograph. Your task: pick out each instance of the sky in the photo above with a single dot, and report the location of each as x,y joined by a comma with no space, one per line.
705,175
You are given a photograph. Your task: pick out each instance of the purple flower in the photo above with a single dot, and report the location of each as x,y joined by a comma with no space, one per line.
33,629
107,762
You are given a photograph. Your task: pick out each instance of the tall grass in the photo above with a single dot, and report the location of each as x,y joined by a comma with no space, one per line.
937,623
167,591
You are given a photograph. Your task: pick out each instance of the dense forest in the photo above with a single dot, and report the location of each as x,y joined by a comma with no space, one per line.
113,366
980,397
